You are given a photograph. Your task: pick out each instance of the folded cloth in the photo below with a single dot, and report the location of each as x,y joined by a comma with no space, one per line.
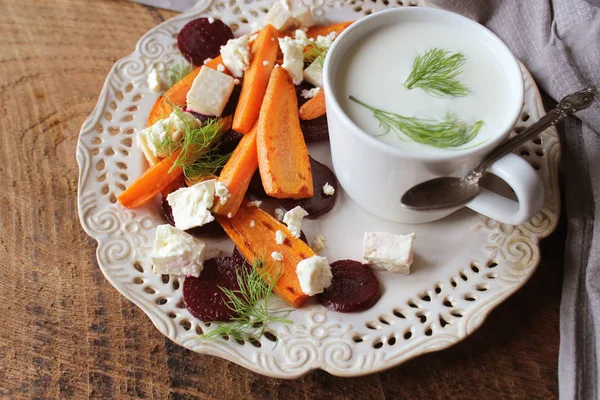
559,42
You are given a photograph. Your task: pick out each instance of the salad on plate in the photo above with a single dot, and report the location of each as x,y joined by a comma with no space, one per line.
229,132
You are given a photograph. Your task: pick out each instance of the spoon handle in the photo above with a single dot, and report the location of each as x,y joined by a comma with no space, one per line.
568,105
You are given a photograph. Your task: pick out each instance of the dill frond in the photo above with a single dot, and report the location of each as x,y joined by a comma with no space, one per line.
436,72
251,305
178,72
446,133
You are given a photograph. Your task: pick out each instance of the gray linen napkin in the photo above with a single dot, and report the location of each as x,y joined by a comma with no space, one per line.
559,41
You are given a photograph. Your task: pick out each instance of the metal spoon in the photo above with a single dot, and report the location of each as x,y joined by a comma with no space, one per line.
450,192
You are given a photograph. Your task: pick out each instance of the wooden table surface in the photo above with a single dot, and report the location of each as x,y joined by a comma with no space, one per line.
67,333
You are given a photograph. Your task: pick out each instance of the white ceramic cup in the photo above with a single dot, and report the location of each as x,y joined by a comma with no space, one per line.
376,175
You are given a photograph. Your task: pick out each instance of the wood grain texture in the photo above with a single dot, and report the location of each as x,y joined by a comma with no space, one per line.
67,333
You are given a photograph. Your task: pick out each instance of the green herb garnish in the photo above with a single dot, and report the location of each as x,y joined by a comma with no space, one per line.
251,305
196,152
178,72
436,72
449,132
315,54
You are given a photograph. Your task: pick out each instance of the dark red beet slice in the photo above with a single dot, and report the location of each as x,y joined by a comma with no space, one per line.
203,297
320,203
315,130
354,288
228,142
203,119
233,100
240,258
256,188
212,229
199,39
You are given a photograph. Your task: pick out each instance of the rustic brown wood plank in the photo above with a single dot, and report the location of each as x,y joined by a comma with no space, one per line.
67,333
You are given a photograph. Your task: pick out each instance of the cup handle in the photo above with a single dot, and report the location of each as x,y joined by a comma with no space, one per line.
525,182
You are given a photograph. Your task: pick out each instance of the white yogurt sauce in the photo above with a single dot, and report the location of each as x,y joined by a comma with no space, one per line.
376,67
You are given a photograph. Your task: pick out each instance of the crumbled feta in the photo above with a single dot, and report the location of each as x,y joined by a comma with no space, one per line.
253,37
386,251
326,41
191,205
176,252
293,58
319,243
221,68
215,253
314,274
236,55
210,92
229,215
207,61
288,14
255,203
328,190
252,224
293,220
155,81
265,63
172,127
310,93
313,74
300,37
211,20
222,192
279,213
277,256
236,81
279,237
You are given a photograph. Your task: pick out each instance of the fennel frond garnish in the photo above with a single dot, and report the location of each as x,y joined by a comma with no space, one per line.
448,132
197,152
315,54
436,72
251,305
178,72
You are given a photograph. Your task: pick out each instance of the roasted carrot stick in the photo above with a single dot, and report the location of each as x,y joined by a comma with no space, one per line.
257,241
313,108
282,153
324,30
151,182
256,78
178,93
237,173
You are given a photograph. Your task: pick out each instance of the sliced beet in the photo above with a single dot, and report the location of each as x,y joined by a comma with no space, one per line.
203,296
212,229
233,100
238,256
203,119
228,142
354,288
320,203
200,39
256,188
315,130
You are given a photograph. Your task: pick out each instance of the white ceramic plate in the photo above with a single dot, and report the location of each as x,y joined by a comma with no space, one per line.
465,266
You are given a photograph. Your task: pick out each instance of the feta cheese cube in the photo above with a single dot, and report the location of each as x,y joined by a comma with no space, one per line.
277,256
173,127
155,81
386,251
236,55
309,94
313,74
314,274
279,237
176,252
191,205
319,243
222,192
293,220
210,92
288,14
293,58
328,190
